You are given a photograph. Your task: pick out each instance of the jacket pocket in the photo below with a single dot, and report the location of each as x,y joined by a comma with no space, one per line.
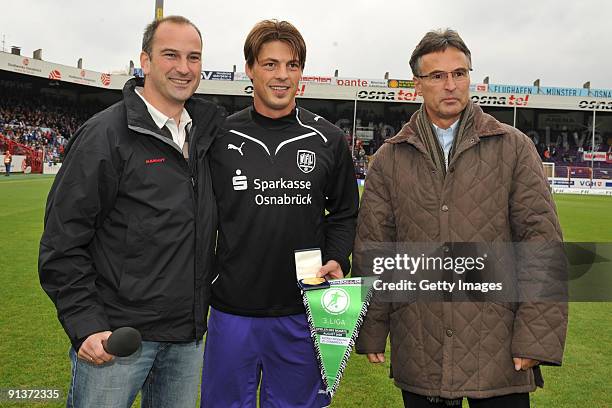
496,369
135,239
137,273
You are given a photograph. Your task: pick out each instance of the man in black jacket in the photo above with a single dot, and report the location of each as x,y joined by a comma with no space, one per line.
284,182
130,231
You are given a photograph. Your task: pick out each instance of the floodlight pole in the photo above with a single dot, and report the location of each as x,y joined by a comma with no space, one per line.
593,146
159,9
354,128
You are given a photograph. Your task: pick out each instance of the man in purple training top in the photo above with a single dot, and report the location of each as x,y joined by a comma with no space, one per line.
277,169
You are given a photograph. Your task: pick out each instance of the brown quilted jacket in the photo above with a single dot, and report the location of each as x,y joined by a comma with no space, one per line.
495,190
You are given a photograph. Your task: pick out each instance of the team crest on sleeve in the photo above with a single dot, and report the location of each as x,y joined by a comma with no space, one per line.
306,160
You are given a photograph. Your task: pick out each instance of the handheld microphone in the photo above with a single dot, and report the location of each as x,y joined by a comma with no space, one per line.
123,342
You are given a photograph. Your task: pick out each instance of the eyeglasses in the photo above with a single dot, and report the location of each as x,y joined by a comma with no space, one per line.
437,77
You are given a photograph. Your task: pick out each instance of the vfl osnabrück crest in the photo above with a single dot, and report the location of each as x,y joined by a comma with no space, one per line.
306,160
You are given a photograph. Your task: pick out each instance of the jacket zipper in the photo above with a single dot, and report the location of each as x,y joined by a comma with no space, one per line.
193,180
191,164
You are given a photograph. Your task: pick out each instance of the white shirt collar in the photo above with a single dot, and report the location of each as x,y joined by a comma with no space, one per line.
158,117
452,127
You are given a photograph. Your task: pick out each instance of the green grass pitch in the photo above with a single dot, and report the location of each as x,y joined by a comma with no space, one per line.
34,348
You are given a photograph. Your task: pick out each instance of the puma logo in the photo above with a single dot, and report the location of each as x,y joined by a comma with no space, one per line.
234,147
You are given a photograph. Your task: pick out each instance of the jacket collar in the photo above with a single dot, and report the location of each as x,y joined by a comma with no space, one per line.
484,126
159,117
138,116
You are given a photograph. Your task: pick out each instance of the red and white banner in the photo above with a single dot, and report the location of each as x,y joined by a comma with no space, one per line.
595,156
317,79
57,72
479,87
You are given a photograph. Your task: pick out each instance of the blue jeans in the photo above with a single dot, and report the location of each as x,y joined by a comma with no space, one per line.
167,373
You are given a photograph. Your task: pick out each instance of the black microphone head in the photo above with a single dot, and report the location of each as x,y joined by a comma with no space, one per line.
123,342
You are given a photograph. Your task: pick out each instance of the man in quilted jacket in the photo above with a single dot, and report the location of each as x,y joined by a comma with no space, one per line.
455,175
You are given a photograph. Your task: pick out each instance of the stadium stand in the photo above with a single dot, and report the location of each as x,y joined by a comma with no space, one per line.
40,112
39,122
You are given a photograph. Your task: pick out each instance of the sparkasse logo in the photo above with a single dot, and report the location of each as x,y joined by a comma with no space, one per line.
239,181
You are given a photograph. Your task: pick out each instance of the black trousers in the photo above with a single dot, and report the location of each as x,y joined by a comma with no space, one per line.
412,400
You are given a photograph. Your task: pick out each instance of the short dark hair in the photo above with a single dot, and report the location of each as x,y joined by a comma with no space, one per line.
438,41
149,32
274,30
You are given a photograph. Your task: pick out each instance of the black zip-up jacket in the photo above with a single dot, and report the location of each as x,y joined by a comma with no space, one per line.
274,181
130,226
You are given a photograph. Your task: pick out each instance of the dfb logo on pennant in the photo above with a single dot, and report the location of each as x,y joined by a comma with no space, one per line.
306,160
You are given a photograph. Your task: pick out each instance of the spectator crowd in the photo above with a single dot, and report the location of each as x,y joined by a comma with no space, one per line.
41,122
45,121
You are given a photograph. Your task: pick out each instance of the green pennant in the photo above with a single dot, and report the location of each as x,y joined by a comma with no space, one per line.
335,313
